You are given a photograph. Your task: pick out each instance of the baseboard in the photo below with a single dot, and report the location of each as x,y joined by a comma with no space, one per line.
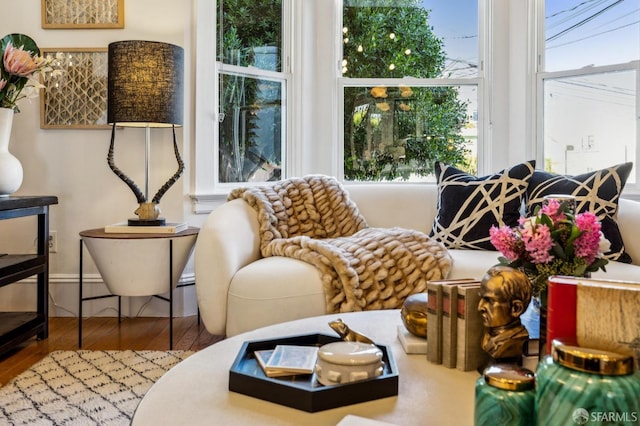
63,298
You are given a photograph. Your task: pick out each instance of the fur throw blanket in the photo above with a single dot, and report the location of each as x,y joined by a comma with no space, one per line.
312,219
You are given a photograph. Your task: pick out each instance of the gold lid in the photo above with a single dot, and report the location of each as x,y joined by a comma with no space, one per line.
509,377
591,360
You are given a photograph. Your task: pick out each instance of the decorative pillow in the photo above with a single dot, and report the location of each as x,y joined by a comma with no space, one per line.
597,192
468,205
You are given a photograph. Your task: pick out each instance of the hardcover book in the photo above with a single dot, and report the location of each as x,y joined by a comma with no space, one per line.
434,317
531,353
608,316
469,353
434,322
124,228
449,324
561,309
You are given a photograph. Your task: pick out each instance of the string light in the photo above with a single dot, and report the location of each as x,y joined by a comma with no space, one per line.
392,36
345,30
360,48
346,40
392,67
407,52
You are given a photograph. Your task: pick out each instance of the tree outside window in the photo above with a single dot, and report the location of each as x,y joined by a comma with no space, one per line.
251,90
397,130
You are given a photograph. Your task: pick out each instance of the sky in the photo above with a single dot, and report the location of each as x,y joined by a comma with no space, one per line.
580,32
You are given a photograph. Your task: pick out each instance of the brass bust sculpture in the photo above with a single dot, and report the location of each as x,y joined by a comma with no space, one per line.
505,294
414,314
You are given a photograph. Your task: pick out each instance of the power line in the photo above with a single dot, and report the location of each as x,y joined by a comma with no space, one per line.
568,10
593,35
584,21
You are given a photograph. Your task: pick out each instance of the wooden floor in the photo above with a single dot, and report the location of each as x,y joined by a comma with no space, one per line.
105,333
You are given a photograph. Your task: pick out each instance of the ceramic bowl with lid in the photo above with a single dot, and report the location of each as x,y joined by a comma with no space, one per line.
346,362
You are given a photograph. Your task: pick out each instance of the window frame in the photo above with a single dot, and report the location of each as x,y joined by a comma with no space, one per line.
343,83
631,190
315,143
208,191
479,81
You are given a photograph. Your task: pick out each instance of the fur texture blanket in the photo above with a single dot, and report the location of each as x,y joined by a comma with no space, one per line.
312,219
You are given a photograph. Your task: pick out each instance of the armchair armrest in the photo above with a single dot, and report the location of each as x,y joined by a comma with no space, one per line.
228,240
629,223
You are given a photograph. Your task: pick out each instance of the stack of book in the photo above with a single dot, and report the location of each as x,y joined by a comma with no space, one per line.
287,360
454,325
596,313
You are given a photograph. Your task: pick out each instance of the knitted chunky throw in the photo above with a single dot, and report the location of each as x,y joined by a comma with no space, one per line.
312,219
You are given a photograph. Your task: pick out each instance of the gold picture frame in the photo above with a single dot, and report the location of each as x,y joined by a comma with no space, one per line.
76,99
82,14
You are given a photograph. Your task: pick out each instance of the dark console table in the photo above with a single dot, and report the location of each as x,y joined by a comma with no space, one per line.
16,327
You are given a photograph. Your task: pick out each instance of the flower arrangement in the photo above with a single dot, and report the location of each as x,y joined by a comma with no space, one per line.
552,242
20,68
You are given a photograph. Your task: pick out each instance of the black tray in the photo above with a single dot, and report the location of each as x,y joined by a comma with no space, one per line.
304,392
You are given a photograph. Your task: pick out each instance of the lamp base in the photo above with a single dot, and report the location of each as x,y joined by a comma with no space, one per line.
147,222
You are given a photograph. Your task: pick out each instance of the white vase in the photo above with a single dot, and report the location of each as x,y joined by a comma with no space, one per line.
10,167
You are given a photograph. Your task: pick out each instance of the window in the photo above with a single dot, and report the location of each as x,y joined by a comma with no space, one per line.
587,84
251,90
410,87
264,113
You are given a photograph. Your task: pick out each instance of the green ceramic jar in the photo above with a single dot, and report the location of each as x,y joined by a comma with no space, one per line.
505,395
577,385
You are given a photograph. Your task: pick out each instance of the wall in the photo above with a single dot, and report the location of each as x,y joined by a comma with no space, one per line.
71,164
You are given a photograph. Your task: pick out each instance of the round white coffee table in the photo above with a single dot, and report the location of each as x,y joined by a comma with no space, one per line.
195,392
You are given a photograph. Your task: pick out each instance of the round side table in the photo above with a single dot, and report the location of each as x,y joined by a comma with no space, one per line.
137,264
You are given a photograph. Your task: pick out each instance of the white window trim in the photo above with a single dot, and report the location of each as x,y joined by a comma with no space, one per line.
480,81
207,192
631,189
314,120
537,32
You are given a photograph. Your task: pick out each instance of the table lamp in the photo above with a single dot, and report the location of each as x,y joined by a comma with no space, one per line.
145,89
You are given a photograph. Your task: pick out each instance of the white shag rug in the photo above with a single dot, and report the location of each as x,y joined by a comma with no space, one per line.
84,387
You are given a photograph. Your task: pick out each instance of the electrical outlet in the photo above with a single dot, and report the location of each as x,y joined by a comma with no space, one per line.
53,241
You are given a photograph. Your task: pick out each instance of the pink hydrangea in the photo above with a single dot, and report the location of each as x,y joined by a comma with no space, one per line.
504,239
538,243
588,243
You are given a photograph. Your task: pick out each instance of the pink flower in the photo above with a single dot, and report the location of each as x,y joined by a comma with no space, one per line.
552,209
20,62
588,243
3,83
538,243
505,240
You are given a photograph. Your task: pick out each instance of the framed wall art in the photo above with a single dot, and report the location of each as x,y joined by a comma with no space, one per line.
58,14
77,98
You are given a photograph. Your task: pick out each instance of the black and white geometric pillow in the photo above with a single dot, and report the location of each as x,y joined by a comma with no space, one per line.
597,192
468,205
